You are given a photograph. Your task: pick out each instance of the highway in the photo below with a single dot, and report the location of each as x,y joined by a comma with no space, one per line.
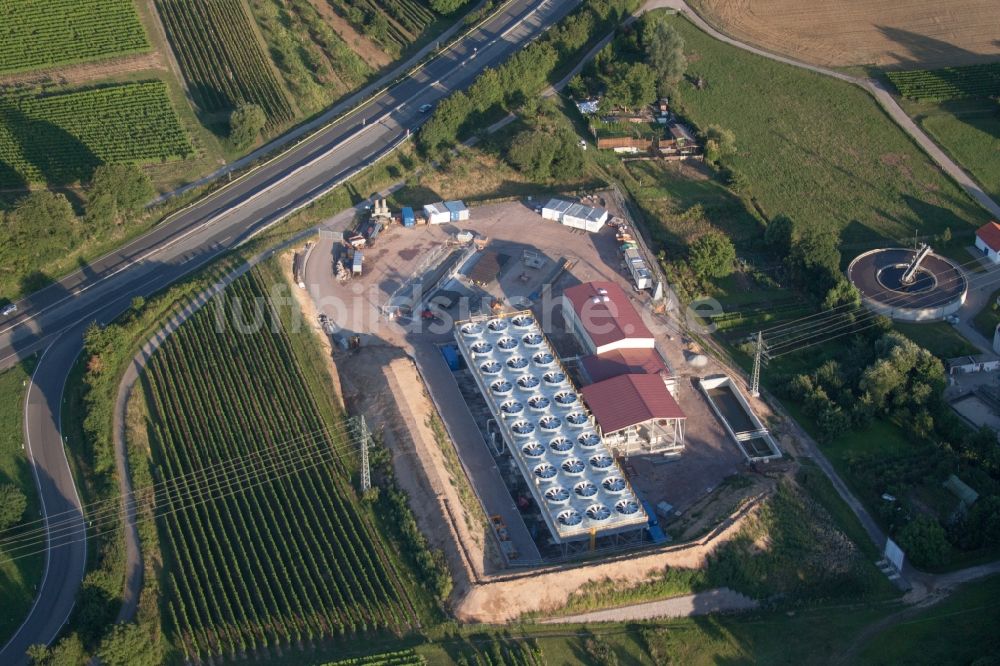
52,320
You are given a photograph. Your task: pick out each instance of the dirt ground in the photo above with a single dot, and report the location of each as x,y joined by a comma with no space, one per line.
88,71
889,33
506,600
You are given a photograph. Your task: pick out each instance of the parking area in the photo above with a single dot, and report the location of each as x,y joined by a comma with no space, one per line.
530,261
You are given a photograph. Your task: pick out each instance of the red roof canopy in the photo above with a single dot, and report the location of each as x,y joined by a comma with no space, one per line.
628,400
990,233
606,313
645,361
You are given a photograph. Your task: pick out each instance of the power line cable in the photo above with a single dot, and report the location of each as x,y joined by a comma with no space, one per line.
978,282
323,459
261,462
114,504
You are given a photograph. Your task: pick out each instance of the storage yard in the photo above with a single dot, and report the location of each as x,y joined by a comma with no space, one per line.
572,401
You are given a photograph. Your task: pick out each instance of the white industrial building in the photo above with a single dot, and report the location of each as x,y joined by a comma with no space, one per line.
552,437
988,241
446,211
575,215
602,317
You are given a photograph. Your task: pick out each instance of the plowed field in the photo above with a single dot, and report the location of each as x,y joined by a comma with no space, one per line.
887,33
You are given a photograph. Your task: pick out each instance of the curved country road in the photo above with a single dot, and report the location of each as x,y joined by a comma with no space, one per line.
874,88
53,319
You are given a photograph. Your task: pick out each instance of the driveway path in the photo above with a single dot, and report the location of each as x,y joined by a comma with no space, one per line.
874,88
713,601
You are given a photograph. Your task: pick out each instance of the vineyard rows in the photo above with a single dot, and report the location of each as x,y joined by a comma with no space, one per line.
399,658
60,138
45,33
292,560
221,58
485,650
394,24
949,83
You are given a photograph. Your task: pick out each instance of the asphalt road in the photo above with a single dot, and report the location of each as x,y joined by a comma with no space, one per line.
53,320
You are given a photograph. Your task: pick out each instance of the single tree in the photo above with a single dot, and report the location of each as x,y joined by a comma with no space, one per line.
245,124
532,152
778,235
129,645
924,542
665,51
712,255
40,216
117,190
12,505
719,142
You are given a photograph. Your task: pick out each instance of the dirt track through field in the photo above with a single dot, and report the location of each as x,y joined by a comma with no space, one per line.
89,71
893,33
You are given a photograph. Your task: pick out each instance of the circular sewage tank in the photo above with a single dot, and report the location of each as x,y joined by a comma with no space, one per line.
939,287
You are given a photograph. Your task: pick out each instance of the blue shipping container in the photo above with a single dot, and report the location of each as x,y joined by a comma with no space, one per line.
408,219
450,353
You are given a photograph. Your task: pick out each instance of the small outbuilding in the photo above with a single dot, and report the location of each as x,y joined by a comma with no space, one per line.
575,215
988,241
457,211
436,213
977,363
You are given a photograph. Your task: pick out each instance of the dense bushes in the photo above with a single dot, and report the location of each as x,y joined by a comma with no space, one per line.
391,503
792,550
886,376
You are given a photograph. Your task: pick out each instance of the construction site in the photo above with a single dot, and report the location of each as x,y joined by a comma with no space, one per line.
534,340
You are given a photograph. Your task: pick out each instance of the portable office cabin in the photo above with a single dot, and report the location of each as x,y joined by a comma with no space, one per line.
358,260
575,215
457,211
637,267
436,213
409,219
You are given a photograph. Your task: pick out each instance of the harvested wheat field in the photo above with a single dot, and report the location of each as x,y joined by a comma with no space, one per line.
887,33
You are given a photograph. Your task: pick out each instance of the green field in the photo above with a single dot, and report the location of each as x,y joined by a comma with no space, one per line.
60,138
969,130
292,559
18,578
222,62
939,338
986,320
45,33
959,630
818,150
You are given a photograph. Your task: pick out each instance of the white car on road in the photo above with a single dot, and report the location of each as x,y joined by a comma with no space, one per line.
8,309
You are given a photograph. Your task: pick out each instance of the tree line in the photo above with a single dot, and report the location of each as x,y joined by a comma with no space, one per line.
499,90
